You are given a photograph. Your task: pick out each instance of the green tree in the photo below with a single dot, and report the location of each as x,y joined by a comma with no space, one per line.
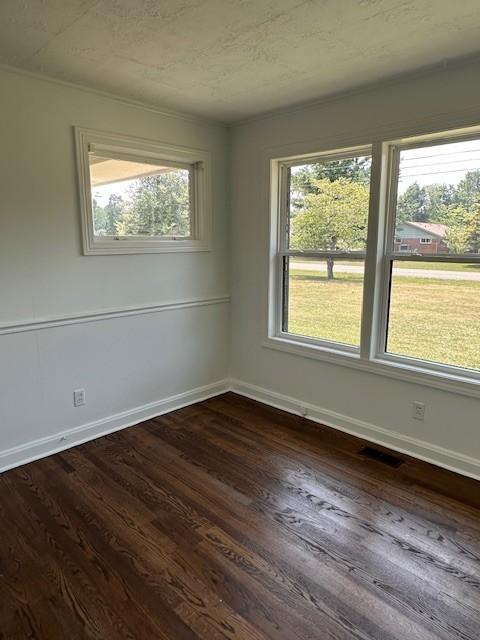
457,236
413,205
432,202
334,218
304,179
467,193
355,169
99,219
463,229
113,214
157,205
474,230
439,197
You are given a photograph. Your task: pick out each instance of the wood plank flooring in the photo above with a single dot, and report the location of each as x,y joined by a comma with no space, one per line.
232,520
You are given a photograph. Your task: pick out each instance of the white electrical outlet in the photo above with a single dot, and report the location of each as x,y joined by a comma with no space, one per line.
418,411
79,397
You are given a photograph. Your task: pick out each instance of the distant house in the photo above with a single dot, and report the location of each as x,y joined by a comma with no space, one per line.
421,237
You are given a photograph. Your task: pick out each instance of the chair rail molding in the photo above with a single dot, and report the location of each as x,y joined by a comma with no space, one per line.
106,314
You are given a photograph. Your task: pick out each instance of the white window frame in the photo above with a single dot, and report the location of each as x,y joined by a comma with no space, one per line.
284,252
425,241
113,145
372,355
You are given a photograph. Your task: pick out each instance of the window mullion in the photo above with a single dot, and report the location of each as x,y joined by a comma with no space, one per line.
375,249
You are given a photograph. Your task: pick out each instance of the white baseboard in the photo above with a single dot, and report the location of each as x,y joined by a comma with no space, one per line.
446,458
43,447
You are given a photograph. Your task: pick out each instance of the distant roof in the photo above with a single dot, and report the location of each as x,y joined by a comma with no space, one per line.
434,228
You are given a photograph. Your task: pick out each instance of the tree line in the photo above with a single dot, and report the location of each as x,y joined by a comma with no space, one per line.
456,206
329,208
156,205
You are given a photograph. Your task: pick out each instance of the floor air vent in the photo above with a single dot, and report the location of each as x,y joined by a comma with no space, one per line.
380,456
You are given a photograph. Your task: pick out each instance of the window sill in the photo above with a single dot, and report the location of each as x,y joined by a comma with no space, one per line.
130,247
377,366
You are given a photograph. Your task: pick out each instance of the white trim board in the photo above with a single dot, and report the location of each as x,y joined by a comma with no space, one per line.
106,314
434,454
43,447
49,445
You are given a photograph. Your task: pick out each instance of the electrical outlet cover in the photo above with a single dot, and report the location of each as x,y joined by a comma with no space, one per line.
79,397
418,411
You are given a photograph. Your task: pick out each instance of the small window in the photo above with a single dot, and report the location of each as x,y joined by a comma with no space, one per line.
425,240
140,197
404,247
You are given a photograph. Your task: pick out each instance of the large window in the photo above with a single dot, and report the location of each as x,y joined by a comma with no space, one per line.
377,256
141,197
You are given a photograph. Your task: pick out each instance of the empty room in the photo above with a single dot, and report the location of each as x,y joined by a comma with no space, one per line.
240,320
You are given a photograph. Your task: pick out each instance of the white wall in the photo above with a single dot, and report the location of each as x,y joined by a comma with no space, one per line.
363,403
123,362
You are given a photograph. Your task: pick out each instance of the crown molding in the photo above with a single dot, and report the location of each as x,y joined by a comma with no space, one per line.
130,102
279,112
338,96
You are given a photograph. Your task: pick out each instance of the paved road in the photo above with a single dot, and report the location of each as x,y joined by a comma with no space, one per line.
416,273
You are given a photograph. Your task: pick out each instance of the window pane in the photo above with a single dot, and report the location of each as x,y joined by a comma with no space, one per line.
438,200
139,199
435,312
328,207
324,300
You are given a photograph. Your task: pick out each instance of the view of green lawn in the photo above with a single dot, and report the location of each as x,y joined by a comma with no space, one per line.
431,319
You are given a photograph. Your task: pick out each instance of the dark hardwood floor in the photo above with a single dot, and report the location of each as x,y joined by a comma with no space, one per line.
229,519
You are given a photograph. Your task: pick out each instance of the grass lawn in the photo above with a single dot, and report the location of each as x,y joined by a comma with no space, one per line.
430,319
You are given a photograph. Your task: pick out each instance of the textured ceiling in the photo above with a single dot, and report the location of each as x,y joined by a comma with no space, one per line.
230,59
